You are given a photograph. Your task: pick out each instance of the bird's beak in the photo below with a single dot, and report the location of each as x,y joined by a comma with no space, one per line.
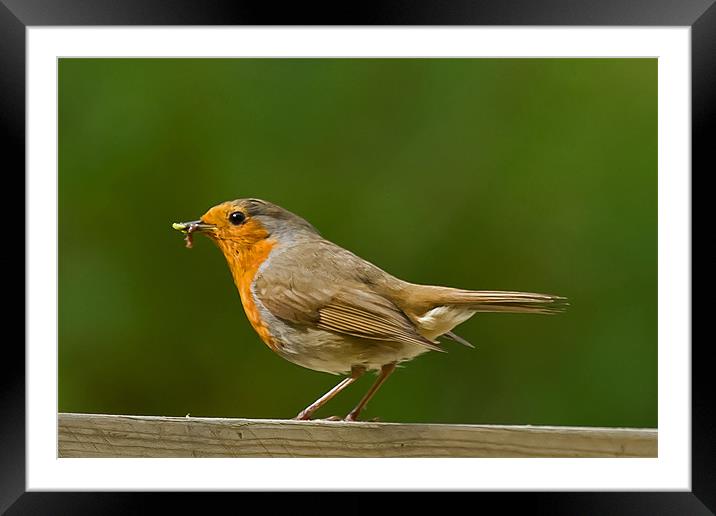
191,227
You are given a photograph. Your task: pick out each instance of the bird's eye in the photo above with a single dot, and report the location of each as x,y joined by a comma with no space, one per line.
237,218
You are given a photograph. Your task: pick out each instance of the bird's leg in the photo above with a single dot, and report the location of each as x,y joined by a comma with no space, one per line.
356,372
384,373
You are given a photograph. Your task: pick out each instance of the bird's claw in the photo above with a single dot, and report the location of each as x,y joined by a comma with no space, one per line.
303,417
351,417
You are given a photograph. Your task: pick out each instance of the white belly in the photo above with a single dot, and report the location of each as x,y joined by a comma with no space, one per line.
322,350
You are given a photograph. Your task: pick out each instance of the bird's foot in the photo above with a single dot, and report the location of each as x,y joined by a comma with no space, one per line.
307,417
351,417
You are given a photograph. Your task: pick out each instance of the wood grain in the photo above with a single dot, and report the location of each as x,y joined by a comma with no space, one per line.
99,435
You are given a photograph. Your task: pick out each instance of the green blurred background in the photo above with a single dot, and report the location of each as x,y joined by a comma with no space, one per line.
516,174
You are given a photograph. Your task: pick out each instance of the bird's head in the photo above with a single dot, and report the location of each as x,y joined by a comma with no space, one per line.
241,224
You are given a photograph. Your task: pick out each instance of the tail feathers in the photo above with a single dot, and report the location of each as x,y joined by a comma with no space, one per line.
504,301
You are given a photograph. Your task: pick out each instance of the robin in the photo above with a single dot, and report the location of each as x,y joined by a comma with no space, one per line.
322,307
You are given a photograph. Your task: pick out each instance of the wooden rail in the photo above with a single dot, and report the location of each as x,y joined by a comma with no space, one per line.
99,435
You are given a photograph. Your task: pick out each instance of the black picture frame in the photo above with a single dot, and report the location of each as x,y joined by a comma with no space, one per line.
17,15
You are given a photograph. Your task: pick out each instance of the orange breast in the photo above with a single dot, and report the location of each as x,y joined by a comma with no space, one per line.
244,270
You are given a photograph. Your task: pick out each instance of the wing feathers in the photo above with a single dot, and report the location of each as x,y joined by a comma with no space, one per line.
371,324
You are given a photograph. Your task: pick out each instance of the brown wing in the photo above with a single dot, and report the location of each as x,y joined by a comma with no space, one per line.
332,291
370,316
